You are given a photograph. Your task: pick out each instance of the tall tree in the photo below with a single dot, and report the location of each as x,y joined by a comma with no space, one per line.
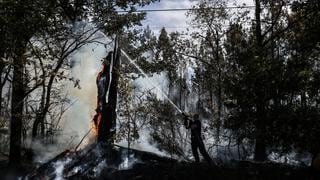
23,19
210,18
166,60
268,86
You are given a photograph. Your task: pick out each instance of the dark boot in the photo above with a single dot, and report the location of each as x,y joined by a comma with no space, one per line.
203,151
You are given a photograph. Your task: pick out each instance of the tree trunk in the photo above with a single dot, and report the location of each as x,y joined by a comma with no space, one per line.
113,92
260,145
1,72
18,91
39,116
101,118
2,65
219,103
105,119
258,26
180,94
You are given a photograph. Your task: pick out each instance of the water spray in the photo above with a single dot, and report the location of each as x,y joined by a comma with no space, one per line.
146,76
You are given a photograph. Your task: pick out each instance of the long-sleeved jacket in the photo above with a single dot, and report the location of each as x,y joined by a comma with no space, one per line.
194,125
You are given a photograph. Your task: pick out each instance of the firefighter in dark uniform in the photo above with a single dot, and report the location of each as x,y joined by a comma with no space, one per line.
196,139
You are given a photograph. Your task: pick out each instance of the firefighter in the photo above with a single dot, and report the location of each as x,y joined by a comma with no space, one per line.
196,139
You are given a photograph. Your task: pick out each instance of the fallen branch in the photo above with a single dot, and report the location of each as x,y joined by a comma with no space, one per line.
75,149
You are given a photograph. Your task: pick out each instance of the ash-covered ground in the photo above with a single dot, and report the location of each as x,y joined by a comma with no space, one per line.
101,161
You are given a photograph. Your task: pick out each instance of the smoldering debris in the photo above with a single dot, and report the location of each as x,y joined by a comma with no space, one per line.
94,161
102,161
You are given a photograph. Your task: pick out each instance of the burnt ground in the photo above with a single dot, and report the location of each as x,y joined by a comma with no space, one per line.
238,170
243,170
91,163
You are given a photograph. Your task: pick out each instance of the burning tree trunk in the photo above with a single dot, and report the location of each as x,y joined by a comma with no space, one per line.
107,84
113,91
103,80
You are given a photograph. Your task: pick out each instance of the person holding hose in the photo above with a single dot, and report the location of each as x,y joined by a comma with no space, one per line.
196,140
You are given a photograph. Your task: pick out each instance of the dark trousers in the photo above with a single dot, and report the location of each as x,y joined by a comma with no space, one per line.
197,143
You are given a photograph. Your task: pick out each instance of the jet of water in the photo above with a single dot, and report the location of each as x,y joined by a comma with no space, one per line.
151,82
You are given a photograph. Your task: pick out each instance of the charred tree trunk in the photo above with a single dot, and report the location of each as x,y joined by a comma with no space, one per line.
105,118
113,92
18,91
101,118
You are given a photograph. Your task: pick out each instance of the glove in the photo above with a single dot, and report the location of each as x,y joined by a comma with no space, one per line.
186,119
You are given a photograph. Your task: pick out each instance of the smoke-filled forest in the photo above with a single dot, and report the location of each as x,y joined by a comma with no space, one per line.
89,91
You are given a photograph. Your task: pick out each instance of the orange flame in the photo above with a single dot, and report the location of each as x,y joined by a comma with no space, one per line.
97,117
96,123
100,73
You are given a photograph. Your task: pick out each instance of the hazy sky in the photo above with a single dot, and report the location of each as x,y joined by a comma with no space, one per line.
175,20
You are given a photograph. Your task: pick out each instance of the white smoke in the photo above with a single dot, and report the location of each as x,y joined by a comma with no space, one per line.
143,143
87,63
143,84
292,158
127,161
99,168
59,167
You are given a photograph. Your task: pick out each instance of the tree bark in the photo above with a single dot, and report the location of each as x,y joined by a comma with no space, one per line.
105,119
1,72
258,25
260,144
113,92
18,91
101,118
219,119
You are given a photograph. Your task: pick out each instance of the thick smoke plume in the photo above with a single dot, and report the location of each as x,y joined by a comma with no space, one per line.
86,66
